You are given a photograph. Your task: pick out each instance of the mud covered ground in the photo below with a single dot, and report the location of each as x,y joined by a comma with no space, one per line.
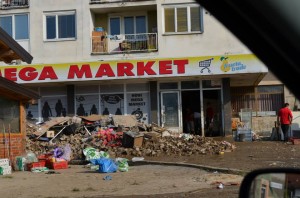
157,181
247,156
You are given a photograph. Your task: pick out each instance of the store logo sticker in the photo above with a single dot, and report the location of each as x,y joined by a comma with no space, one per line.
234,66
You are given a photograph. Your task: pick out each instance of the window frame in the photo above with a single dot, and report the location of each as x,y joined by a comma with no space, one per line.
122,22
13,25
56,15
189,25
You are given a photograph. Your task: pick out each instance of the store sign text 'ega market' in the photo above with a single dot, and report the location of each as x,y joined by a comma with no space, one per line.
85,71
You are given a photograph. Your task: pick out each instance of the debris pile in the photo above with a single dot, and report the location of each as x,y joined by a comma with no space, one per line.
119,137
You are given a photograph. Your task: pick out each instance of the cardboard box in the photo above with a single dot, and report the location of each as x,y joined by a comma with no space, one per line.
98,34
131,139
50,134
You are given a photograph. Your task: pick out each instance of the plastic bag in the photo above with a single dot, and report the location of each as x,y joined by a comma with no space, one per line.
67,153
31,157
92,153
122,164
106,165
58,152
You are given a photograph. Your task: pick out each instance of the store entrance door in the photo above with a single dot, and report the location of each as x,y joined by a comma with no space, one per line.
212,105
170,110
191,112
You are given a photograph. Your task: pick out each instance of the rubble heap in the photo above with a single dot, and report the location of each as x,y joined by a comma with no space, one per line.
156,141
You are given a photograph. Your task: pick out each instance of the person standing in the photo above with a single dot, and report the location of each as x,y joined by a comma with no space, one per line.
209,115
189,121
284,119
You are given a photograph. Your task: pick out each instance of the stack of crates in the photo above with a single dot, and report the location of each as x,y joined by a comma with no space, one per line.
5,168
99,41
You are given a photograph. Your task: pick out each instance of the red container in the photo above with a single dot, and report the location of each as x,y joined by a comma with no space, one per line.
58,165
35,164
44,156
295,141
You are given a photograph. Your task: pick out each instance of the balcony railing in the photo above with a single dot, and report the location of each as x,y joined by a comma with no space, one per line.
114,1
102,43
11,4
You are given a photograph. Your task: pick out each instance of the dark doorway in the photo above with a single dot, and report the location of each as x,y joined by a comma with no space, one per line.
191,112
212,112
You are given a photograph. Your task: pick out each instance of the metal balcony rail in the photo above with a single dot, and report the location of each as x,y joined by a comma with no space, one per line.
126,43
10,4
113,1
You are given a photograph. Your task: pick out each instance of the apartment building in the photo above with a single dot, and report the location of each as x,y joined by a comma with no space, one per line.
155,59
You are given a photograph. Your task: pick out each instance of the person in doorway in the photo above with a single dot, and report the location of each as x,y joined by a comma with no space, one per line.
58,108
46,111
209,115
284,119
189,120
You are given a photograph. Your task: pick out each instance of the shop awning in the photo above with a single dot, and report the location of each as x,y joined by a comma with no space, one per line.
16,91
11,50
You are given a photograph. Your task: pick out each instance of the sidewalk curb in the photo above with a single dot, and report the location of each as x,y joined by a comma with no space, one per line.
207,168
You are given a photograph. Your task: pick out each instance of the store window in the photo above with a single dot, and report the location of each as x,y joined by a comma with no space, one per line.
183,19
32,109
60,25
190,85
217,83
17,26
138,101
112,99
53,102
87,100
168,85
10,114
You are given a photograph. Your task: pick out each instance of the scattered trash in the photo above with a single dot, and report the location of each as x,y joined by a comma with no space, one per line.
52,172
106,165
122,164
107,177
97,136
39,169
137,159
220,186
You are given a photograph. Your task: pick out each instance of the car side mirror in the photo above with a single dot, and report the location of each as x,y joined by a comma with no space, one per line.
274,182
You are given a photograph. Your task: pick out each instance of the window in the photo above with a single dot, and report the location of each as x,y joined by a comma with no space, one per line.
60,26
16,26
115,28
127,25
267,98
10,114
183,19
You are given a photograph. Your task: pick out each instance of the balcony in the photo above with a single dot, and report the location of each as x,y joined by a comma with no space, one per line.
126,43
13,4
114,1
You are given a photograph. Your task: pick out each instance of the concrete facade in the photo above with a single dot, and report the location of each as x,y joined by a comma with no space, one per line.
177,57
